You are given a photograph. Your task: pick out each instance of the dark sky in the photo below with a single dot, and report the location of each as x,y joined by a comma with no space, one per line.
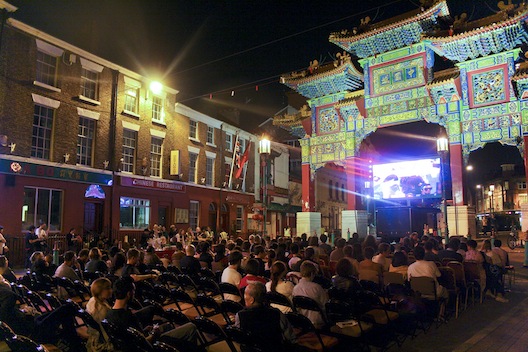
176,41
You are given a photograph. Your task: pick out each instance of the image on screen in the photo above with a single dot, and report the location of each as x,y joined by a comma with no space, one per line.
407,179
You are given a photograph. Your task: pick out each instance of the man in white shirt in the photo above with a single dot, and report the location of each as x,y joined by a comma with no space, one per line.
307,288
423,268
231,274
382,258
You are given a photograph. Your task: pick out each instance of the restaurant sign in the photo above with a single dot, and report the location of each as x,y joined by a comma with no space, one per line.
24,168
152,184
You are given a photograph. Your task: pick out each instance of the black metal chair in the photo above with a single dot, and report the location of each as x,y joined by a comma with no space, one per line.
230,289
277,299
211,333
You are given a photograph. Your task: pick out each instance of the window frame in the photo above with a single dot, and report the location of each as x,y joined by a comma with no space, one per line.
128,89
209,171
85,72
83,137
155,111
43,77
44,133
156,157
194,219
229,141
193,167
239,222
137,203
193,126
51,191
210,135
134,149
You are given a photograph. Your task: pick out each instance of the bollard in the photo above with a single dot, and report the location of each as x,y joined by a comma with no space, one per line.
56,253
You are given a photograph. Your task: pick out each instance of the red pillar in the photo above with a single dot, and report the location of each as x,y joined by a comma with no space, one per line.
457,175
308,189
352,177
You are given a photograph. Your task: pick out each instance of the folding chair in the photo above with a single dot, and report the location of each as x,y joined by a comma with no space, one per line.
426,287
279,301
460,276
212,335
308,336
448,280
230,289
185,303
246,341
211,310
230,309
472,273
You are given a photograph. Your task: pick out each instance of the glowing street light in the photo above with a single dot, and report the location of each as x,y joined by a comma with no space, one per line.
265,151
156,87
469,168
442,147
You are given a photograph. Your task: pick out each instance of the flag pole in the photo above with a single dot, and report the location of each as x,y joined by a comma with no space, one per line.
233,161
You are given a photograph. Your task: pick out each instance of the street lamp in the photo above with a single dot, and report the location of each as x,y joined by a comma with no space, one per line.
156,87
442,147
265,151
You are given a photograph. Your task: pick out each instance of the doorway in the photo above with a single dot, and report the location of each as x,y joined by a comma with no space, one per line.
93,217
224,218
162,216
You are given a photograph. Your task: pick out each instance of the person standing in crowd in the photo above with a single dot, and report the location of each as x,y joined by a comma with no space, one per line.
42,235
30,243
74,241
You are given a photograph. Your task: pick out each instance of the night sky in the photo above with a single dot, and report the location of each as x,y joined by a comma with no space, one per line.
184,44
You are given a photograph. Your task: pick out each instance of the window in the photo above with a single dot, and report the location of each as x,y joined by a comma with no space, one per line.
85,139
134,213
156,145
337,191
131,99
343,192
157,109
193,158
193,129
46,68
194,210
42,129
42,206
209,174
330,189
129,150
210,135
239,218
227,167
229,141
89,84
521,185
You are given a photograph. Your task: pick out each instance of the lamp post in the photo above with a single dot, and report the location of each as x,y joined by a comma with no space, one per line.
264,151
442,147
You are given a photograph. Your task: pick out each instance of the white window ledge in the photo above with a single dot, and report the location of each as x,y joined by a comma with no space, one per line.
210,145
46,86
130,113
194,139
158,122
88,100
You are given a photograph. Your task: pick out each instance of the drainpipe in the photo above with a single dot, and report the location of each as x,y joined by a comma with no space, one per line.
112,144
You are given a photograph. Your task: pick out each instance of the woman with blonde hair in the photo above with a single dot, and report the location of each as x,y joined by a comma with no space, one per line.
97,307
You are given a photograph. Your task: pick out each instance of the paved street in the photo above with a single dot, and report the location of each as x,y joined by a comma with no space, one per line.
490,326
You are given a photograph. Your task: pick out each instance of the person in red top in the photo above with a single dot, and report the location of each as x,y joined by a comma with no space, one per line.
252,271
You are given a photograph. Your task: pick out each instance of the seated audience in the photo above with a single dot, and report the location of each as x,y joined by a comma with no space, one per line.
307,288
260,255
151,258
382,259
6,274
326,248
505,260
451,251
231,274
344,278
430,255
293,263
189,264
252,271
267,324
279,284
66,268
337,253
368,264
130,269
399,264
118,262
122,317
205,254
423,268
177,255
472,254
95,263
83,257
349,255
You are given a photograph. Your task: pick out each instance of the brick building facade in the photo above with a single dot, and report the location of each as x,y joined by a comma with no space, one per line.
88,144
